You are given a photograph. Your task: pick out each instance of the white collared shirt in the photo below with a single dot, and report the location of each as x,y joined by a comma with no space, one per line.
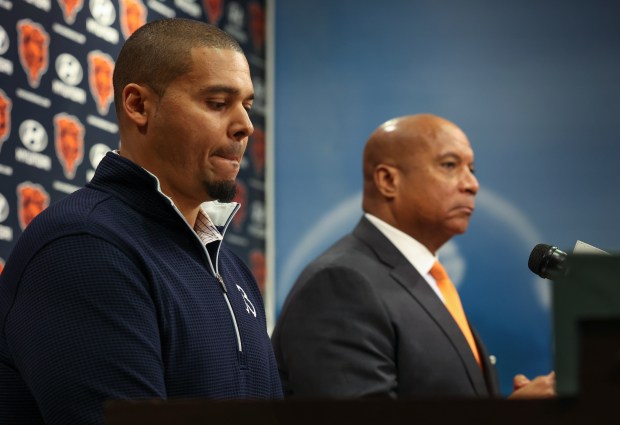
417,254
205,229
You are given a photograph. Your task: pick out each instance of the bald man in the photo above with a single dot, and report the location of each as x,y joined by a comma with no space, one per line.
367,318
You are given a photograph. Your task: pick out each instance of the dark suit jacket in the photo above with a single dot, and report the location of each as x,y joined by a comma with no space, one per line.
361,321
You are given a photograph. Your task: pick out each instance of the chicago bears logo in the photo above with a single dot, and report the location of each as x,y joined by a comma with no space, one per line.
5,117
241,197
133,16
69,141
257,150
213,9
70,9
257,25
31,200
100,68
33,50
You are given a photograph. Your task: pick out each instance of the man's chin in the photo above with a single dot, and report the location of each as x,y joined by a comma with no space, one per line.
460,227
222,190
463,229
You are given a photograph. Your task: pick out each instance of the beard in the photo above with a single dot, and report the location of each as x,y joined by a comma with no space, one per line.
223,191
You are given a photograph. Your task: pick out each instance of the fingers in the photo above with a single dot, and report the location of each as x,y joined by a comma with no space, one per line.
539,387
519,381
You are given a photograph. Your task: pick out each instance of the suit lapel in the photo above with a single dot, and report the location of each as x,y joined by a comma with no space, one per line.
490,374
410,279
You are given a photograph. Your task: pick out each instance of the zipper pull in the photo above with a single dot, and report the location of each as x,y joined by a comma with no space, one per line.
222,284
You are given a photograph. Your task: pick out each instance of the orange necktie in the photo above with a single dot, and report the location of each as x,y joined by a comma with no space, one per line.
453,303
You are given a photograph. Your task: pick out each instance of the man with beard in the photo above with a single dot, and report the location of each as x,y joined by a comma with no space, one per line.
376,314
125,289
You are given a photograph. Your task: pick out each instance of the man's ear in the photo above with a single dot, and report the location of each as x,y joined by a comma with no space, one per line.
387,179
138,100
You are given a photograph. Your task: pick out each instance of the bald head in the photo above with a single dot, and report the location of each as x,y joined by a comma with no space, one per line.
408,162
397,139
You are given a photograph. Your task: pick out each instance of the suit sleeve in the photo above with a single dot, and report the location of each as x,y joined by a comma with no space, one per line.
83,330
335,339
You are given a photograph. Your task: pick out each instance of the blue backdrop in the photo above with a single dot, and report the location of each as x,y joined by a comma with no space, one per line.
535,85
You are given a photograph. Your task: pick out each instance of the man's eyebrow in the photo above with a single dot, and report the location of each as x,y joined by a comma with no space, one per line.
217,89
449,155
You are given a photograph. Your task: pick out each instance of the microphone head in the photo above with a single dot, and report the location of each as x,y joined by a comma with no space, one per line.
536,257
547,261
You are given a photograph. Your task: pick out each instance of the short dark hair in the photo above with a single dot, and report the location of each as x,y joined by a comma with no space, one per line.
159,52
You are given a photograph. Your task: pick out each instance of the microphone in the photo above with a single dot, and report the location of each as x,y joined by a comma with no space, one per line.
548,262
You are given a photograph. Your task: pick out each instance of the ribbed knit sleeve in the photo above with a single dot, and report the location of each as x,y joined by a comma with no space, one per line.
86,330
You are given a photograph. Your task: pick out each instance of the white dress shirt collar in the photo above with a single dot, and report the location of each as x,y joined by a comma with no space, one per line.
417,254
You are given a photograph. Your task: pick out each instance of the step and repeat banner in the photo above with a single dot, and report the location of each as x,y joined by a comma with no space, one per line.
57,115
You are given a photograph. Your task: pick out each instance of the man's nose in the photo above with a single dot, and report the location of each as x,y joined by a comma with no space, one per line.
241,126
470,182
